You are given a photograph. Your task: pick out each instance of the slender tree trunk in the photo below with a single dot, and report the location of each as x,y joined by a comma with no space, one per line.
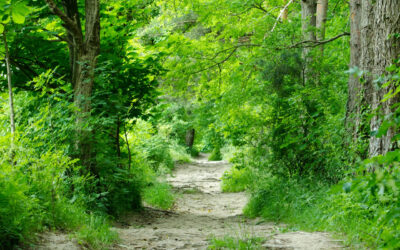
190,138
379,20
10,92
322,9
117,141
308,11
355,90
128,148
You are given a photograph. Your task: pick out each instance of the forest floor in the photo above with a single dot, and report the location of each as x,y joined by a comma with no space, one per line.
202,212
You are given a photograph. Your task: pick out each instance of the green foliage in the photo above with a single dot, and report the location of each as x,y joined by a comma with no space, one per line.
236,179
96,233
215,154
157,152
159,195
34,196
236,243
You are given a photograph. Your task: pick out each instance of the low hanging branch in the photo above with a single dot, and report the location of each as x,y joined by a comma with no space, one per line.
312,44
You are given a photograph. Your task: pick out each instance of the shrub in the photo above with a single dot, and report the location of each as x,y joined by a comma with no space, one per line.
215,154
159,195
34,196
236,179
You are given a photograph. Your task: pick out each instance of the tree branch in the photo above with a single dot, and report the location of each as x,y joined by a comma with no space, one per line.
69,24
226,58
312,44
60,38
260,7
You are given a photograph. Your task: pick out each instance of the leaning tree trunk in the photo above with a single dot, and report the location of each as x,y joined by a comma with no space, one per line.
355,91
379,21
84,50
308,11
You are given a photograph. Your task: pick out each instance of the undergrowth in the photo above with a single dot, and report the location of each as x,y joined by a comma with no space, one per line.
159,195
363,210
236,243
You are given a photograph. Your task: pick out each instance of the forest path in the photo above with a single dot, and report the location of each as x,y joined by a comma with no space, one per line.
201,212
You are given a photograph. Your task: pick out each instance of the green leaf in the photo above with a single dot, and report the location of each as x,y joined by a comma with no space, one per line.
19,12
1,28
18,18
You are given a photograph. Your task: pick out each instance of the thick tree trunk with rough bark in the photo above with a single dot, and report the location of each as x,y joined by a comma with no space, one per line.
373,48
379,49
84,50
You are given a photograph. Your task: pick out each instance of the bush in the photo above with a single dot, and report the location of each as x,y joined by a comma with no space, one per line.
215,154
159,195
236,180
33,195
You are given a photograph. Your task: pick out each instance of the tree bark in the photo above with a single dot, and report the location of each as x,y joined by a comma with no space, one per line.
322,9
308,11
84,50
372,50
9,82
379,20
190,138
355,90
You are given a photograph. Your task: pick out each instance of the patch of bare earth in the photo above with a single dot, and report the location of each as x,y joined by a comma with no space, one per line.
201,212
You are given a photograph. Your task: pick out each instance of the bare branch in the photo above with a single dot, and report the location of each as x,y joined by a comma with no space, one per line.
312,43
260,7
226,58
60,38
69,24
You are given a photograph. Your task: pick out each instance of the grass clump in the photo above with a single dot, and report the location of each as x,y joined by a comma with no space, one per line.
34,197
236,243
236,180
215,154
159,195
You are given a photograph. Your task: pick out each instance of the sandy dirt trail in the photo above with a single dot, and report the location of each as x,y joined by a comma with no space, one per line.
201,212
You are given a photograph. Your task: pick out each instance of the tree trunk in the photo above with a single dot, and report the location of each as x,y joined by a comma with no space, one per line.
379,20
10,92
322,9
308,11
190,137
355,91
84,50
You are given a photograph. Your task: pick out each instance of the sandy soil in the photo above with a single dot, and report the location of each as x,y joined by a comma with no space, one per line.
201,212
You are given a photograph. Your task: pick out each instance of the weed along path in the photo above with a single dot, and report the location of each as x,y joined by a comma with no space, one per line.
202,213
